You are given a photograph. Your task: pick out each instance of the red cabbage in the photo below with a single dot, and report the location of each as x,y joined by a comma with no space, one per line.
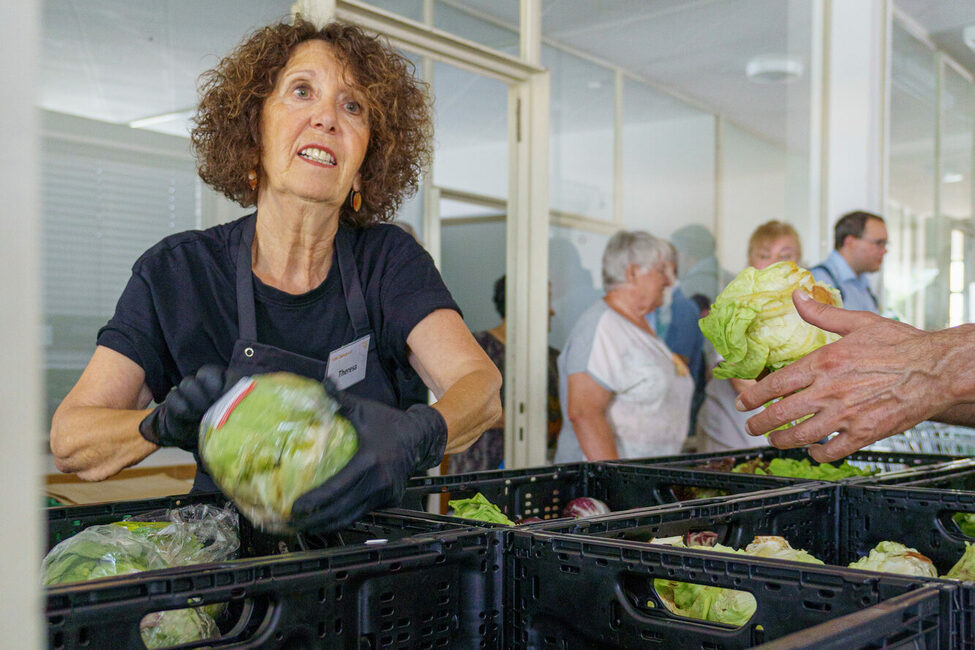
585,507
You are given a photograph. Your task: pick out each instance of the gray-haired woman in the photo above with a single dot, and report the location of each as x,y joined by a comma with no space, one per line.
624,394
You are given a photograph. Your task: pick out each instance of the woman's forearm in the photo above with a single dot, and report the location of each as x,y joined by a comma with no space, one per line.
470,406
97,442
595,436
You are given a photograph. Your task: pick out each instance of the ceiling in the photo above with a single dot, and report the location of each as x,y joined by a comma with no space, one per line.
119,61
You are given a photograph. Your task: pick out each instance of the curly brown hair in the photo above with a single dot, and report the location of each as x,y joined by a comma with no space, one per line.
227,135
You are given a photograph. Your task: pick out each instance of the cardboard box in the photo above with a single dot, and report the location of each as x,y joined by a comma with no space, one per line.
129,484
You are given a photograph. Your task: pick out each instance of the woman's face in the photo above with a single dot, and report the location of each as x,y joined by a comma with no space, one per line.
651,284
777,250
314,130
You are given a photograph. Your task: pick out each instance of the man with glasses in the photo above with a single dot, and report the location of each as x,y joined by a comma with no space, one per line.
860,240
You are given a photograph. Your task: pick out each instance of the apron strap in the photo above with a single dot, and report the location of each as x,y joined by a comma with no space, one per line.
351,287
355,300
246,317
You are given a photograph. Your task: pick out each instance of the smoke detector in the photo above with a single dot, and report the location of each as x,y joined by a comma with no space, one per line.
774,69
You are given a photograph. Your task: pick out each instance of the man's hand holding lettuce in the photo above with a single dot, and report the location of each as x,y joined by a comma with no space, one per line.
754,325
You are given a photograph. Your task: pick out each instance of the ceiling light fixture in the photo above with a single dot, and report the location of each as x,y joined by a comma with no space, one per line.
952,177
774,69
162,118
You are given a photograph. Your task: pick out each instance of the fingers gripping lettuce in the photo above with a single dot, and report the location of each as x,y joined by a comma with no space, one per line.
754,325
272,438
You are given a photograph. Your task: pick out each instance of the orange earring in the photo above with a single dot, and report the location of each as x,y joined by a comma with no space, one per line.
356,200
252,179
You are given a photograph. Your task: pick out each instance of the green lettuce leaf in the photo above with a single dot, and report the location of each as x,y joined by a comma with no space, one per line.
966,522
792,468
754,325
964,568
478,507
892,557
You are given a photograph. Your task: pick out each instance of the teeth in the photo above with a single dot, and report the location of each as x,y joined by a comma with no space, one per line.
318,156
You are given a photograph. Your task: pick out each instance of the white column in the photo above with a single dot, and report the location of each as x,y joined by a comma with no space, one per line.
854,107
21,435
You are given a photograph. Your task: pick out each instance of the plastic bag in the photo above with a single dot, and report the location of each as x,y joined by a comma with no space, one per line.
270,439
176,626
155,540
189,535
100,552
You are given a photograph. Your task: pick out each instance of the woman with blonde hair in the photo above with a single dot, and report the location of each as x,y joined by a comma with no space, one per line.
720,425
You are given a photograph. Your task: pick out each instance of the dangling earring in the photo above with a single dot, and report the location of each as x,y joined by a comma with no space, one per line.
252,179
356,200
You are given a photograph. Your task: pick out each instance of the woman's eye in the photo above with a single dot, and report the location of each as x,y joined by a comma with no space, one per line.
353,107
302,92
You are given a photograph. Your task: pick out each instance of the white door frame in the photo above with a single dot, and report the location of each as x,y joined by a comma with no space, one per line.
526,349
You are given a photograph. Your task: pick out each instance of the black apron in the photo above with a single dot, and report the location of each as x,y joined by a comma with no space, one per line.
250,357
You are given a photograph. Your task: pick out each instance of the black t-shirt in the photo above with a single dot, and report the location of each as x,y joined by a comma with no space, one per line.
179,309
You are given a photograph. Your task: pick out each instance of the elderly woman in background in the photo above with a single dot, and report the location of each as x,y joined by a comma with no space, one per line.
624,394
720,425
324,132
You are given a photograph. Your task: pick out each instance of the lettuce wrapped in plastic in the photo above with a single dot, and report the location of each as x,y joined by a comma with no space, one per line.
189,535
964,568
754,326
479,508
112,550
893,557
270,439
175,626
100,552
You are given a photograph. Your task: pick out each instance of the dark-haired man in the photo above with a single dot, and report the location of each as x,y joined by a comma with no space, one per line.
860,242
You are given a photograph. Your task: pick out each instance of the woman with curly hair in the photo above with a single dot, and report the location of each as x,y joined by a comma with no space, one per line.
324,132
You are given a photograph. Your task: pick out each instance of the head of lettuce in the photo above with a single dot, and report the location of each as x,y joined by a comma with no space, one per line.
270,439
754,326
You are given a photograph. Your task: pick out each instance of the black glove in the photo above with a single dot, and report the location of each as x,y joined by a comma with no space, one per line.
393,445
176,422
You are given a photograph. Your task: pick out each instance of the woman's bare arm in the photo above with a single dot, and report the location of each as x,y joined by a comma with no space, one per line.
587,406
462,377
95,430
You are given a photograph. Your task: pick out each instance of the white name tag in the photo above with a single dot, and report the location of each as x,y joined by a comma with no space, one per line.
347,364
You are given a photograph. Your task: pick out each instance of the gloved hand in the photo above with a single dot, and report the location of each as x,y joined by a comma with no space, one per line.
176,422
393,445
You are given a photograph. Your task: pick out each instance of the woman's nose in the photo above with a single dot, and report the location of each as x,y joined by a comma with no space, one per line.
325,115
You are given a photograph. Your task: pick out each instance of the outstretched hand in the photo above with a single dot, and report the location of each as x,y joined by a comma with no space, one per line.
881,378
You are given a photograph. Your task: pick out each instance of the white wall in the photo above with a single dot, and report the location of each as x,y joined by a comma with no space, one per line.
20,372
760,181
668,174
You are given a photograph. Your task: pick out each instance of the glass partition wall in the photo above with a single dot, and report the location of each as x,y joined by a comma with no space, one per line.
928,269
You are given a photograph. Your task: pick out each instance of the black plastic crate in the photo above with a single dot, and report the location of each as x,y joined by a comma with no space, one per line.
914,620
576,593
884,461
837,523
389,525
544,492
957,475
434,592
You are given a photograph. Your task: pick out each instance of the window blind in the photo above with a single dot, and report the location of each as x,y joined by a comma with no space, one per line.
102,207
